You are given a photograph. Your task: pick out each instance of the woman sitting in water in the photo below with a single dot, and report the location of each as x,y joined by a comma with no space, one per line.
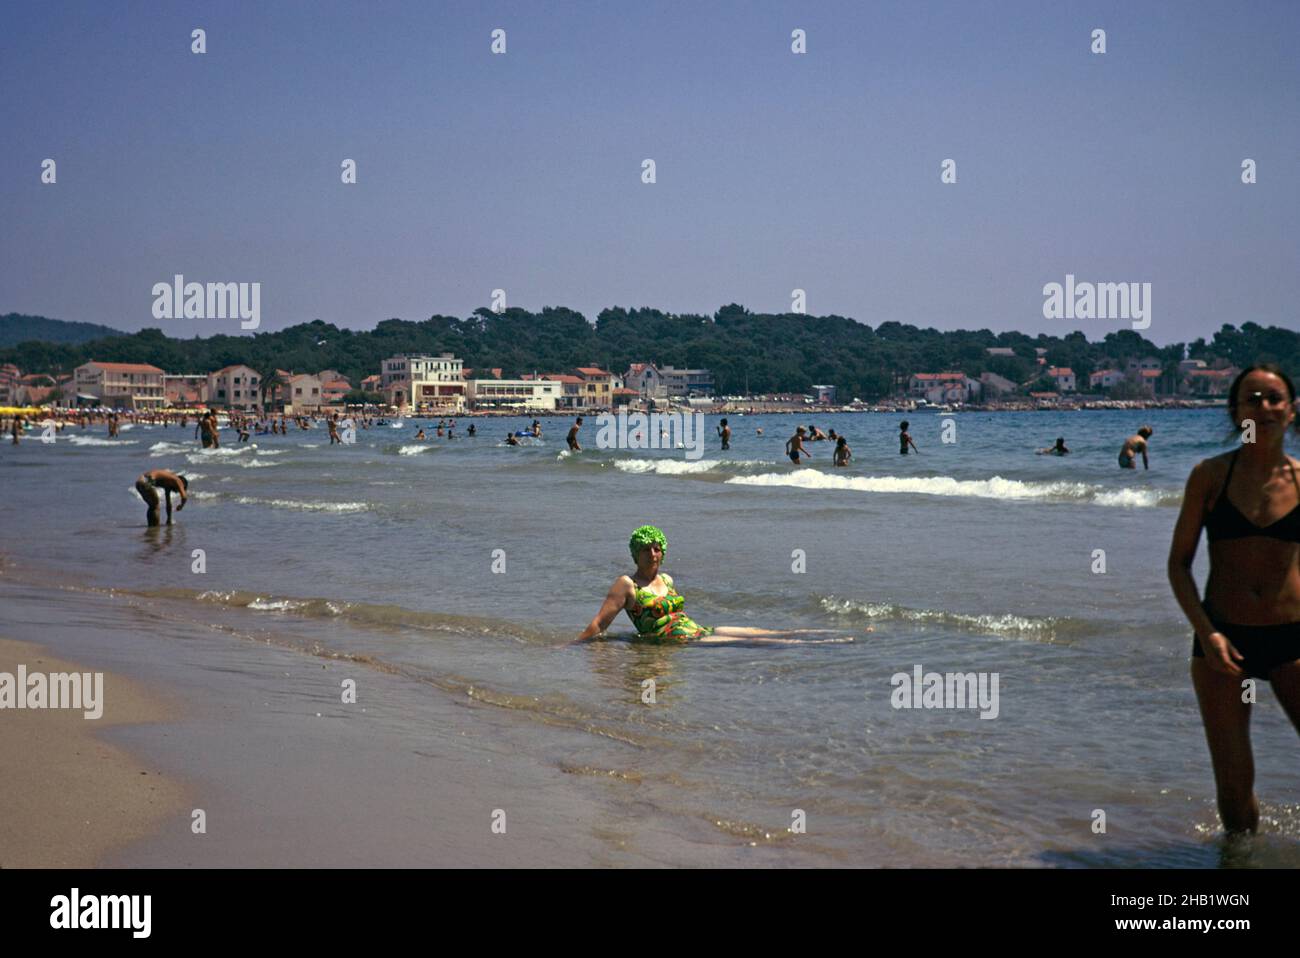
653,604
1248,502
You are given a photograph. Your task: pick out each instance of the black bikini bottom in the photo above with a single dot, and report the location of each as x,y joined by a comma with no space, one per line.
1264,646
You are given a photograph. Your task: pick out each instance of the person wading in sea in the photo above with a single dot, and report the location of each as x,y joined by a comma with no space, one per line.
1248,627
1132,446
905,440
148,485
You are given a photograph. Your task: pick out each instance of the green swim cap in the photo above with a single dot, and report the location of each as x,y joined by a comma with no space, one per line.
645,536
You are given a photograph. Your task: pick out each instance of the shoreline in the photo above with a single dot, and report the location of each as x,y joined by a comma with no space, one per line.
289,775
70,797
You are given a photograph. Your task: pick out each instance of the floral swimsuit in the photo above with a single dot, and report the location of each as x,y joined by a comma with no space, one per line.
659,618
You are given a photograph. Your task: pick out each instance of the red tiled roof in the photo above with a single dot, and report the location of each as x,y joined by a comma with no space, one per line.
591,371
939,376
1060,371
125,367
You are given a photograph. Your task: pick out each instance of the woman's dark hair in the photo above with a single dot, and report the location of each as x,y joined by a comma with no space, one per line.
185,483
1273,368
903,425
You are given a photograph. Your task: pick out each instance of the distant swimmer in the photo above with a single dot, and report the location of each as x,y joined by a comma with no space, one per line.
724,432
150,482
333,425
112,424
760,430
1248,624
511,439
815,434
1132,446
420,434
441,427
832,437
794,446
654,605
471,431
537,429
904,440
572,438
842,451
17,428
1057,450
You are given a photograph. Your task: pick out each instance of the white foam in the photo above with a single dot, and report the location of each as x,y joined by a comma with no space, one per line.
993,488
680,467
334,507
992,624
413,450
96,441
275,605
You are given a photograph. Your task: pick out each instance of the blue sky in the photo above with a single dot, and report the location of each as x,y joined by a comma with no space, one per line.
522,171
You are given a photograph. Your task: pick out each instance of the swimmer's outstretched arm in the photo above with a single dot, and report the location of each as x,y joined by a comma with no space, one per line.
609,610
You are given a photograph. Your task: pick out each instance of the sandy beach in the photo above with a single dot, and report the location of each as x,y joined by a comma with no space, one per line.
69,797
287,774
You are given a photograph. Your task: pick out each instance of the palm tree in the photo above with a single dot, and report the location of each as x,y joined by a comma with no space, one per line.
270,385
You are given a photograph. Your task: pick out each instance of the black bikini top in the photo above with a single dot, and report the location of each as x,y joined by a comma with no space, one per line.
1226,521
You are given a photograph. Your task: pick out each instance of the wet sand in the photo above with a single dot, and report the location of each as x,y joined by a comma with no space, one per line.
289,775
68,796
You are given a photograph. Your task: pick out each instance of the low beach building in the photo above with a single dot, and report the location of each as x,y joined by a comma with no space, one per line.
649,381
120,385
524,394
1208,383
943,387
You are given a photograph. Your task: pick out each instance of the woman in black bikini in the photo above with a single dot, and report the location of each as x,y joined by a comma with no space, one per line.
1249,625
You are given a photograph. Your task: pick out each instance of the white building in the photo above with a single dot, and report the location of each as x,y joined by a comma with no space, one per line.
1064,378
1105,379
539,394
650,382
121,385
235,387
430,381
943,387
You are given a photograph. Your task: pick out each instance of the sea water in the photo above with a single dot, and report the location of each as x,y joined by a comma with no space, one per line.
469,563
